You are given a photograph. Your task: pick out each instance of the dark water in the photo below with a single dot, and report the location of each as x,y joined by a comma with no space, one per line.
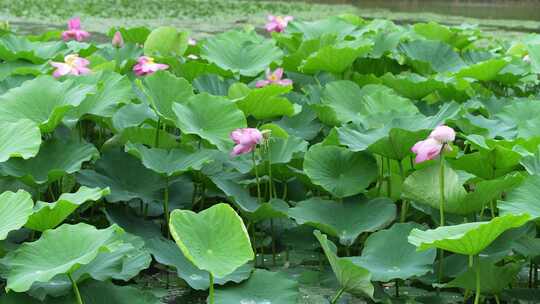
498,9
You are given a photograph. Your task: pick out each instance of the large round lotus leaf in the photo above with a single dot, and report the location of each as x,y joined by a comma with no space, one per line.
49,215
282,150
335,58
317,28
468,238
57,251
16,47
493,279
56,158
125,175
96,292
262,103
241,52
339,170
484,71
523,199
219,248
211,117
43,100
345,220
173,161
263,287
304,124
19,139
456,37
166,41
351,277
133,115
429,56
15,208
162,89
412,85
239,195
166,252
388,255
142,135
113,90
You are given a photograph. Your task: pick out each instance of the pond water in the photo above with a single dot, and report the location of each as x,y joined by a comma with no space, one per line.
499,9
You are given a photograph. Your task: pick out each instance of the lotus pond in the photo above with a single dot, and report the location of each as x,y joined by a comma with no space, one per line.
331,161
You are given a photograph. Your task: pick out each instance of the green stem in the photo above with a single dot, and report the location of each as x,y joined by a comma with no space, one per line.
75,289
492,208
477,296
166,206
389,179
338,295
273,242
404,203
497,300
270,180
441,186
256,177
156,139
397,288
381,177
211,295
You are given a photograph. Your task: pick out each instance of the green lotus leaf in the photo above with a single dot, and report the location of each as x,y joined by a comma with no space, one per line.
56,158
57,251
350,103
335,58
16,47
282,150
346,220
521,115
219,248
142,135
484,71
166,41
494,279
451,35
49,215
19,139
428,56
262,287
523,198
166,252
43,100
411,85
212,84
351,277
113,90
211,117
162,89
304,124
315,29
133,115
95,292
245,53
239,195
468,238
170,162
126,177
388,255
15,208
338,170
263,103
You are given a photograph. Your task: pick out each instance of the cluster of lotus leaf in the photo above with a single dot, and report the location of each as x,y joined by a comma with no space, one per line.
110,180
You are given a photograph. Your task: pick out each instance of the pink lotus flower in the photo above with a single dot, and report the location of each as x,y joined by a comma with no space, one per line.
73,65
146,65
118,40
277,23
273,78
526,58
246,140
192,42
431,147
74,31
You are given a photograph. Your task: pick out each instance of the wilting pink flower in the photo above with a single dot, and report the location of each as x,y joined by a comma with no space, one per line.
118,40
73,64
274,78
74,31
277,23
431,147
192,42
246,140
146,65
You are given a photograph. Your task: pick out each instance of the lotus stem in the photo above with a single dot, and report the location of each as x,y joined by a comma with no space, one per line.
166,206
75,289
256,176
497,300
492,207
477,296
397,288
389,179
211,293
338,295
156,139
273,242
441,186
270,180
404,203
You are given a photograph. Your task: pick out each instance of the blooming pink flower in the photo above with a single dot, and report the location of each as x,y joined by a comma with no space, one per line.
73,64
431,147
74,31
245,139
273,78
277,23
146,65
118,40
